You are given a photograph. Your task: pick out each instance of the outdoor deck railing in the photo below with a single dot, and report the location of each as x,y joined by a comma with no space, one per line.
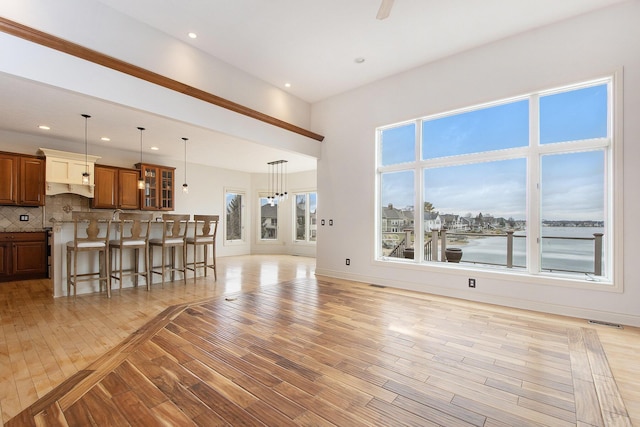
435,249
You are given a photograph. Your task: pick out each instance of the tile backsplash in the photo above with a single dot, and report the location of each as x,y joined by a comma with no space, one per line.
57,208
60,206
10,218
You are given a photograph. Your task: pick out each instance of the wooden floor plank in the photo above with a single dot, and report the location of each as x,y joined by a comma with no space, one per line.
305,351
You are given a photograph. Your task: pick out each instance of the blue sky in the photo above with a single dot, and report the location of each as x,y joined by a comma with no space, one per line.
572,184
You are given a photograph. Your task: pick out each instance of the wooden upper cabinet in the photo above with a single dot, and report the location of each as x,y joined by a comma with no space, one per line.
159,190
106,187
128,193
9,179
115,188
21,180
32,181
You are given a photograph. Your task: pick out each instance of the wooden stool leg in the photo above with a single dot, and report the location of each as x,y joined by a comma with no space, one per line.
147,269
195,258
163,267
103,268
215,268
150,278
206,259
136,253
68,273
75,272
184,263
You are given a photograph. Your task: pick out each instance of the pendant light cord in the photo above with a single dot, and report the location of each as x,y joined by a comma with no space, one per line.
185,159
86,150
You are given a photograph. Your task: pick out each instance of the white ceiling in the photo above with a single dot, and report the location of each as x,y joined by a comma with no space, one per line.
311,44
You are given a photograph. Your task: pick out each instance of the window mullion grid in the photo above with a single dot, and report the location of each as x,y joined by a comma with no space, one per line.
534,190
418,238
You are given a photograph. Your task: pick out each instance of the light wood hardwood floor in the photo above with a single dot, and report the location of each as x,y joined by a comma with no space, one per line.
268,334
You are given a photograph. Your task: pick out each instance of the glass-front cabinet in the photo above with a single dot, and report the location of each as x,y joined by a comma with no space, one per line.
158,193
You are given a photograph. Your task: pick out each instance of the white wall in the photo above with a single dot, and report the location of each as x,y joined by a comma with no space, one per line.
92,24
583,48
95,27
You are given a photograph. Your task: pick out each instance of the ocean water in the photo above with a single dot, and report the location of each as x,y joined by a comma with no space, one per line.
557,254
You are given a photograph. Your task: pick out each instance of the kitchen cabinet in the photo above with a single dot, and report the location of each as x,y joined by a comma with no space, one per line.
115,188
22,180
32,173
158,193
23,255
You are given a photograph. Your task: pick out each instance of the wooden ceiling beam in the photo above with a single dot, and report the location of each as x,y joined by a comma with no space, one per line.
70,48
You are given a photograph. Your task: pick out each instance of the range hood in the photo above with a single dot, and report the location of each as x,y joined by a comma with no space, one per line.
64,172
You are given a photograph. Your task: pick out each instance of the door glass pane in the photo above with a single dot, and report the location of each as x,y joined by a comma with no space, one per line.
573,200
574,115
494,128
150,187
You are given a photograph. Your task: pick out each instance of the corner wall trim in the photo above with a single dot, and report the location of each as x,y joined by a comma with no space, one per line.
65,46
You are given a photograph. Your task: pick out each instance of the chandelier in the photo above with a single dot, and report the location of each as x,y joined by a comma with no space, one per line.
277,181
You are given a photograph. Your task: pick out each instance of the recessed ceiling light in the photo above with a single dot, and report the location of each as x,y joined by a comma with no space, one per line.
359,60
44,127
105,138
193,35
155,148
287,85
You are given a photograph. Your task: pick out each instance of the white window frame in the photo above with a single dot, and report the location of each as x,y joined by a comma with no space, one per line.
613,180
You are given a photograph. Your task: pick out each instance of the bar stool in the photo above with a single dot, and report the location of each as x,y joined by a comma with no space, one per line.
88,236
133,233
204,234
174,234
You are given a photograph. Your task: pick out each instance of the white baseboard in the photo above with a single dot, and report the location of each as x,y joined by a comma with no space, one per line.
478,296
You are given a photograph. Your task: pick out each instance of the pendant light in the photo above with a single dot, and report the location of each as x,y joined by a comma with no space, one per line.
185,186
85,174
141,179
277,181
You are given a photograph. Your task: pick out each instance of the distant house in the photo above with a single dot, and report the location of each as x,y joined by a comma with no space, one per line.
454,222
268,221
432,221
393,220
466,223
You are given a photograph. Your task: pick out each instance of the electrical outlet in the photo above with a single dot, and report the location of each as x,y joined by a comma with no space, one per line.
24,217
348,261
472,283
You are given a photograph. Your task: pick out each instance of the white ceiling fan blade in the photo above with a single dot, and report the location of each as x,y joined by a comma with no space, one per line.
385,9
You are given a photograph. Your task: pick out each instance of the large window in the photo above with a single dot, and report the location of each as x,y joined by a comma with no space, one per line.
305,215
520,185
234,212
